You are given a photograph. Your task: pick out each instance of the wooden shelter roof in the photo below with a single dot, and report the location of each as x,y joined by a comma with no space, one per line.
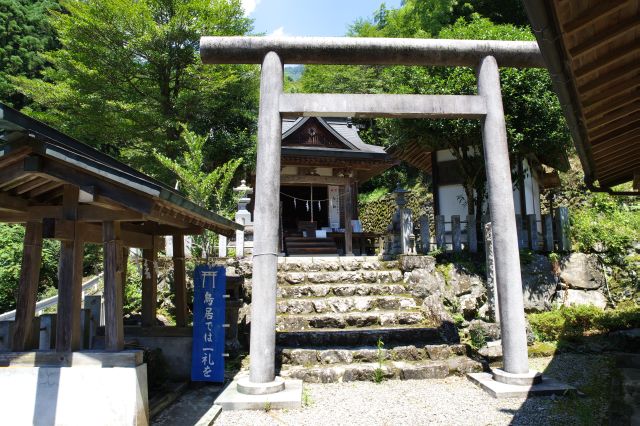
592,50
37,162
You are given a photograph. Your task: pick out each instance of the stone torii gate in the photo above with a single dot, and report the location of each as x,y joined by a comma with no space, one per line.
486,106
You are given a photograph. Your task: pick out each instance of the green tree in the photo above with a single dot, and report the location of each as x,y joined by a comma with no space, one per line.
534,119
208,189
24,34
11,244
128,72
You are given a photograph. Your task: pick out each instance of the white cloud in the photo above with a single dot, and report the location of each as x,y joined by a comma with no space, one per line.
278,32
250,5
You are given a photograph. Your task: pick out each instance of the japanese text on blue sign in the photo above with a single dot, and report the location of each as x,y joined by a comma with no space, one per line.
207,360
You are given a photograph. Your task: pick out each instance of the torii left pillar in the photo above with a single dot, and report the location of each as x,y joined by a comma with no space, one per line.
262,379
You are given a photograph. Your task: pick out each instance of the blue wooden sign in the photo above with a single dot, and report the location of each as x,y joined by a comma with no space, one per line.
207,359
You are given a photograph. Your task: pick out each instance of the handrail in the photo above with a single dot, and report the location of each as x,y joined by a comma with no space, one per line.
52,301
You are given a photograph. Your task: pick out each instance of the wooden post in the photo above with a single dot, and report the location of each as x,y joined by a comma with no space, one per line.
456,238
149,286
125,268
440,233
348,215
533,231
180,280
28,287
547,231
113,274
472,234
68,333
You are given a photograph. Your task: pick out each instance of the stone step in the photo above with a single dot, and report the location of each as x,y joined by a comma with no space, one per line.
356,263
366,336
345,304
342,277
328,290
299,322
345,355
402,370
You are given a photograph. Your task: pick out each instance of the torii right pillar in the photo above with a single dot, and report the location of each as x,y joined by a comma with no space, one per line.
505,238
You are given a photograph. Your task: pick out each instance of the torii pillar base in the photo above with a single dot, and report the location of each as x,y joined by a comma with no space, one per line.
500,384
241,394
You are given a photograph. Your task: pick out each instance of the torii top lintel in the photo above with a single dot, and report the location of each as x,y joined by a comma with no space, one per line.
369,51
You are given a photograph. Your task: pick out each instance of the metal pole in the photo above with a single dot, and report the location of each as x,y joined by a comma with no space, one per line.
505,238
265,252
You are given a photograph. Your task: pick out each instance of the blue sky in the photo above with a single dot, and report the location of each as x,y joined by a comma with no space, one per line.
310,17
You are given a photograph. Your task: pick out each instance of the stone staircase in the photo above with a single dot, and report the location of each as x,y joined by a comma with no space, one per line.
310,246
355,318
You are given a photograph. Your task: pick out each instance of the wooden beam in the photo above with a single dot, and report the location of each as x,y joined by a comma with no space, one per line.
68,335
43,189
618,101
180,280
30,185
153,228
13,204
605,135
113,286
12,172
598,11
348,215
624,166
615,156
395,106
149,286
623,125
119,195
320,180
28,287
98,214
609,58
622,72
7,186
610,92
617,114
636,180
600,38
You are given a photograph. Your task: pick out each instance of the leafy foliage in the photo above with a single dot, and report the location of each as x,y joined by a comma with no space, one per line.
11,242
208,189
24,34
128,72
610,222
576,321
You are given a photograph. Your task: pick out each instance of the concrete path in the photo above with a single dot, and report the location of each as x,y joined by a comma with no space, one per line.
194,407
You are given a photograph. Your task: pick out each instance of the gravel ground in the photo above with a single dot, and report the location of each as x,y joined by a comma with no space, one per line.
451,401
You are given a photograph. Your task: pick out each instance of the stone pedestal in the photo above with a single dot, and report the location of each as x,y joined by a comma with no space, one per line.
96,388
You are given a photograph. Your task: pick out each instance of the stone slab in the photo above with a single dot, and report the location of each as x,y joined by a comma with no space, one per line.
210,416
290,397
74,395
548,386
